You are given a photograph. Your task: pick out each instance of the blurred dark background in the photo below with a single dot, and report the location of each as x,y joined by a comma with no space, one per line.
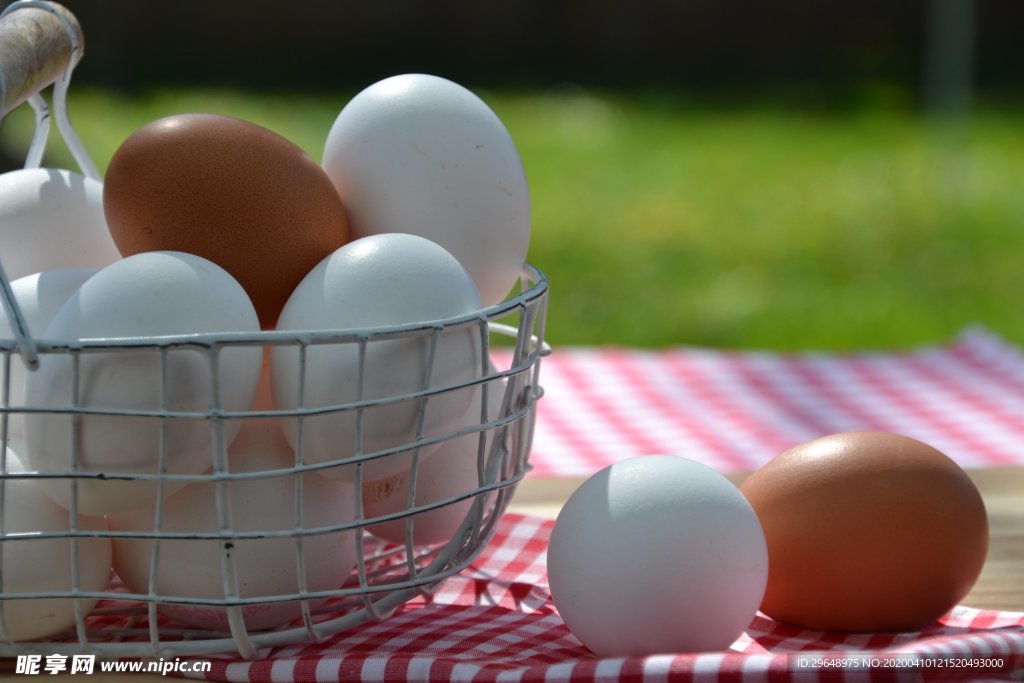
823,53
788,175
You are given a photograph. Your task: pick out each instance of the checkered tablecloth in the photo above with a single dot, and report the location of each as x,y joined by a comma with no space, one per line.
496,622
730,410
735,410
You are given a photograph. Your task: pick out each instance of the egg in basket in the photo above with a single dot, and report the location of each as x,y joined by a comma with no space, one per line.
249,399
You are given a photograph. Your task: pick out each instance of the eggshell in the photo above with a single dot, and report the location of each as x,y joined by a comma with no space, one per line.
657,554
420,154
41,565
867,532
229,191
264,396
50,219
452,471
155,293
374,282
266,567
40,296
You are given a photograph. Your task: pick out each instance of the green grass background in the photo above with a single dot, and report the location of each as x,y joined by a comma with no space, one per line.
662,221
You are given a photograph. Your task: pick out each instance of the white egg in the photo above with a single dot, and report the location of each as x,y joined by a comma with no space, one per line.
450,472
655,555
263,399
38,565
52,218
266,567
153,293
374,282
39,296
420,154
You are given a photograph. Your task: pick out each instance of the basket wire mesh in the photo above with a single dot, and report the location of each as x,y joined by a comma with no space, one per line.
385,574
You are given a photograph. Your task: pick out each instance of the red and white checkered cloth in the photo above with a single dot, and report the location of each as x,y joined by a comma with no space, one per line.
735,410
496,622
730,410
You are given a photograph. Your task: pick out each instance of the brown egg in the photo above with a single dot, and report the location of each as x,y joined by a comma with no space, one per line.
229,191
867,532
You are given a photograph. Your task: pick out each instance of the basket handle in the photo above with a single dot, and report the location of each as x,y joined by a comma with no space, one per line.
38,41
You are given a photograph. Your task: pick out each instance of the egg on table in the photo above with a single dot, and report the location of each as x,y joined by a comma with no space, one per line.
420,154
230,191
50,219
149,294
374,282
867,532
657,554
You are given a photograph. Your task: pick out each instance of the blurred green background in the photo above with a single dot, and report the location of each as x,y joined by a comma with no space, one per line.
792,175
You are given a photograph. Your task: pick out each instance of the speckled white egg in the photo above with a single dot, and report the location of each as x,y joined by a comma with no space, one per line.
149,294
39,296
52,218
654,555
420,154
374,282
266,567
452,472
38,565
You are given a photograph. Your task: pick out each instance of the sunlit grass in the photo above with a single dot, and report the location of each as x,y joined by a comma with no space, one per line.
660,222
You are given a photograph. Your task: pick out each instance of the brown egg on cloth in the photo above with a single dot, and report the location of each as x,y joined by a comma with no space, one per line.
867,532
230,191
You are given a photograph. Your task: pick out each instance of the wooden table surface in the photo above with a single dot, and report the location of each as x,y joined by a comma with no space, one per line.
1000,586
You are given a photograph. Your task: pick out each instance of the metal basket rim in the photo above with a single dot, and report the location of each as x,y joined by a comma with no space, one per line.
538,286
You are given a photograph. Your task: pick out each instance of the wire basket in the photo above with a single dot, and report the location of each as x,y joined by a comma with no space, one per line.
376,548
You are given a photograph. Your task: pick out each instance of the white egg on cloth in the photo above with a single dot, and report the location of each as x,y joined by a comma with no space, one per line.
420,154
44,565
372,283
267,567
657,554
40,296
52,218
145,295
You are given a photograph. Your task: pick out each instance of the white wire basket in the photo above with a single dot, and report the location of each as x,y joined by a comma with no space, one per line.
387,569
